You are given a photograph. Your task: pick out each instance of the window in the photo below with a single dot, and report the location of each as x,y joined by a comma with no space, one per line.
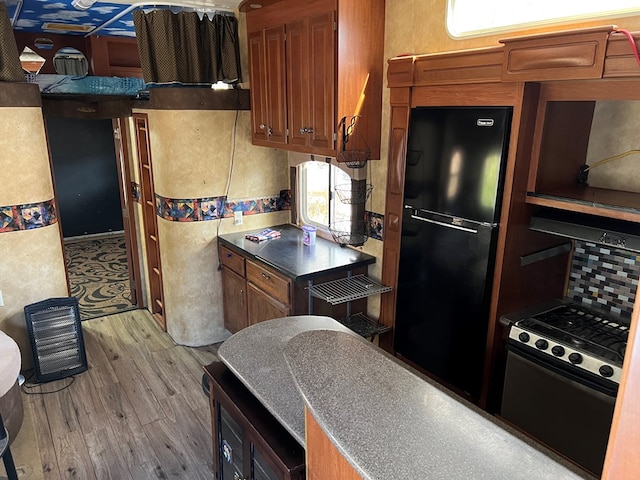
319,204
473,17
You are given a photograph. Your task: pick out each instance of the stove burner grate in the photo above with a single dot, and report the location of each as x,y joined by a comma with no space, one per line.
584,329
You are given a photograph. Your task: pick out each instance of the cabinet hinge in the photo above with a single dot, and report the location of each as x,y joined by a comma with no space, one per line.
335,137
335,26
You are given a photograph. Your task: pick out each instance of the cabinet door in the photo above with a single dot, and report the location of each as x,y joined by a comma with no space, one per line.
322,81
311,83
276,85
262,470
268,84
231,447
234,297
257,78
263,307
298,83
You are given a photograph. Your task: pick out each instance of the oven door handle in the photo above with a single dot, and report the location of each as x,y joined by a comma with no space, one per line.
564,369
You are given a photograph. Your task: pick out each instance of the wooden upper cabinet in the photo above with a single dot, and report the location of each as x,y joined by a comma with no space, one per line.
267,76
332,71
321,64
311,83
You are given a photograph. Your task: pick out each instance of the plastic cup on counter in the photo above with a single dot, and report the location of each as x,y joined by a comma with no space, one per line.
309,235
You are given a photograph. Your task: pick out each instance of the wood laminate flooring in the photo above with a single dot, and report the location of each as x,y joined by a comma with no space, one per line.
139,412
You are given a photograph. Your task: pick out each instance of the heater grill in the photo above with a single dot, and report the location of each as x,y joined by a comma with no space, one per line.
56,338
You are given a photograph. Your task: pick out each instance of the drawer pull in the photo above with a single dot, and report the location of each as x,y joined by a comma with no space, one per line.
229,255
265,276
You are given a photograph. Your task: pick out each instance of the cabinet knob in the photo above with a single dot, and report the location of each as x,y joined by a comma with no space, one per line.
262,126
309,130
265,276
303,130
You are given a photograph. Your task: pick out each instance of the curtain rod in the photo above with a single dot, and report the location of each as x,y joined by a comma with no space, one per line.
213,8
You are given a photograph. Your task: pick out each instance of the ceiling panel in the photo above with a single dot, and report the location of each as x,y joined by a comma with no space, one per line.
68,17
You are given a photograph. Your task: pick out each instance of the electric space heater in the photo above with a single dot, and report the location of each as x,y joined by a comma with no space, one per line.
56,338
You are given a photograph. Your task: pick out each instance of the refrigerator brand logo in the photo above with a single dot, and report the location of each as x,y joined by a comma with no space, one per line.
484,122
614,240
457,221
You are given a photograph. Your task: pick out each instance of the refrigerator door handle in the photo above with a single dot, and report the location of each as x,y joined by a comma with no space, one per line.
442,224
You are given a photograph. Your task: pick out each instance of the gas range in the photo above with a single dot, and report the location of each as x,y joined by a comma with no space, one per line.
579,338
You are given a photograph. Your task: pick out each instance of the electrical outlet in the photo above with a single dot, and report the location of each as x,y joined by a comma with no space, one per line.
237,217
1,299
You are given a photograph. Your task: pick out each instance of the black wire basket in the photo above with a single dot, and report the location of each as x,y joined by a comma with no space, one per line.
349,233
353,193
354,158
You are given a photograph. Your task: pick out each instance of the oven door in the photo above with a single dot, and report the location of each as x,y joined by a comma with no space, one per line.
557,408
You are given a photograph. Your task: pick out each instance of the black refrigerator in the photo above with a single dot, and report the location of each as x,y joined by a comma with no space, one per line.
453,187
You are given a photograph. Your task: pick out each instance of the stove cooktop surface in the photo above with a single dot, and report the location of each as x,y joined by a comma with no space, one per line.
577,336
583,329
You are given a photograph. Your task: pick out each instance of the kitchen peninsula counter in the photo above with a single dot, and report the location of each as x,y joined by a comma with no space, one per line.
387,420
293,259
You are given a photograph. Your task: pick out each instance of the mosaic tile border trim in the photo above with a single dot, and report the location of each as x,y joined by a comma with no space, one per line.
375,225
213,208
604,277
27,216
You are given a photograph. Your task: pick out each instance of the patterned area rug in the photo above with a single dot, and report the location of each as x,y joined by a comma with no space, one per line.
99,276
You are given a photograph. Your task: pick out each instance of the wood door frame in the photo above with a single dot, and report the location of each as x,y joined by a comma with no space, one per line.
124,174
155,292
121,140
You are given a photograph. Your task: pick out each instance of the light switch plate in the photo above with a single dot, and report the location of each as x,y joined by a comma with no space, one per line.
237,217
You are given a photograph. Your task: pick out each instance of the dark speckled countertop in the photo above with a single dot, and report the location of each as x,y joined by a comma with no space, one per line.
292,258
386,419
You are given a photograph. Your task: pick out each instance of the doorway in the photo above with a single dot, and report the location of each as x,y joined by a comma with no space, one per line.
90,170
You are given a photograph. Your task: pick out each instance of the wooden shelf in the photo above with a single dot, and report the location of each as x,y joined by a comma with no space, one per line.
591,200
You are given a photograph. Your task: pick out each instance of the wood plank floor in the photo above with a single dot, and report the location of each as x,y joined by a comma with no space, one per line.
139,412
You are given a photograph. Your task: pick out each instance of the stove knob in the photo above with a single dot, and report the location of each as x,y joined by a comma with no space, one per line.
575,358
524,337
606,371
542,344
558,351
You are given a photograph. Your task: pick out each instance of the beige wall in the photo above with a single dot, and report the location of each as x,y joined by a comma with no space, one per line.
192,155
32,262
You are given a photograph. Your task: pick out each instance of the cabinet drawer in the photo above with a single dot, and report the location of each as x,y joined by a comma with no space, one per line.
269,282
232,260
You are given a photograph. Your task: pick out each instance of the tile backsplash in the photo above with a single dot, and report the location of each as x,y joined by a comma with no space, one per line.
604,277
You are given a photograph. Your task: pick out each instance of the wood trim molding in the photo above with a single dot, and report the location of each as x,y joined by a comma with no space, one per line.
19,95
580,54
195,98
102,107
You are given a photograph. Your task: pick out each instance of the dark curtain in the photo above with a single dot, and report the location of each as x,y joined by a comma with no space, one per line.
181,47
10,68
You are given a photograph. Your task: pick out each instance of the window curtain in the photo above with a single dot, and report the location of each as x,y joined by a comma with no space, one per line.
10,68
182,47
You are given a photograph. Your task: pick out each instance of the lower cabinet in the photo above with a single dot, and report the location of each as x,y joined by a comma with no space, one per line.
251,293
248,443
262,306
234,299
